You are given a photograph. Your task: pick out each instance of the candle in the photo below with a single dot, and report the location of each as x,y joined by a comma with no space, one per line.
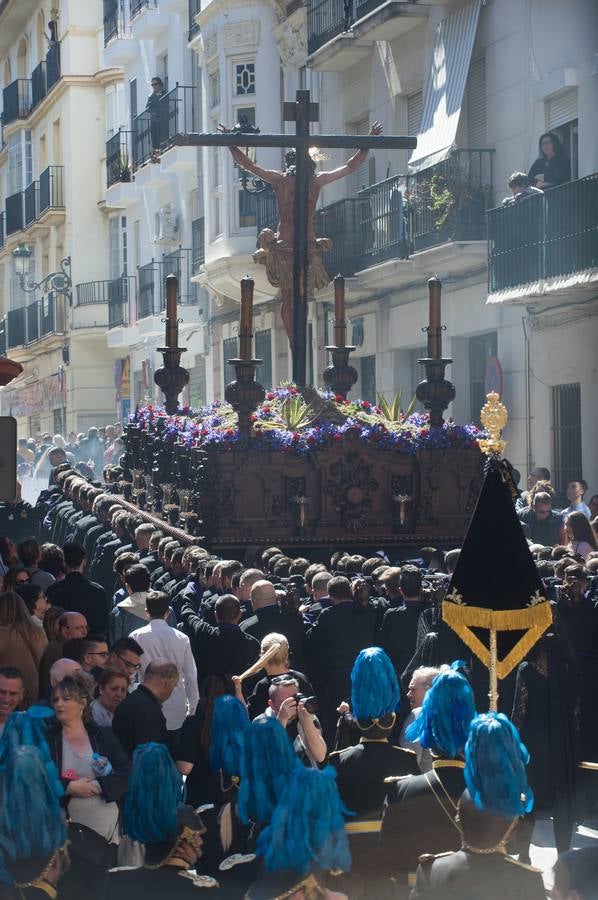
434,328
245,329
340,328
172,325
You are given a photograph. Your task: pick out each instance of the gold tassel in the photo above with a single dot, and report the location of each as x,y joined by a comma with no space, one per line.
534,620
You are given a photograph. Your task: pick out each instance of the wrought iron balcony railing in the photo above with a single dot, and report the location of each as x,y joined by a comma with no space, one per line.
51,189
151,299
114,20
154,130
118,158
23,95
402,214
16,100
113,291
31,323
326,19
25,207
544,236
136,6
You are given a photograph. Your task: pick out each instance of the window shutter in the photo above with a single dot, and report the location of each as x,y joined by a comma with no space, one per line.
476,105
561,108
415,108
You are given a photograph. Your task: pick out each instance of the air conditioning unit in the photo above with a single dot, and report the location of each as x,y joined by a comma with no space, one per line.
167,226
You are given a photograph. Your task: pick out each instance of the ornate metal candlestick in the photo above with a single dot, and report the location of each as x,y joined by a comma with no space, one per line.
435,392
245,393
340,376
171,378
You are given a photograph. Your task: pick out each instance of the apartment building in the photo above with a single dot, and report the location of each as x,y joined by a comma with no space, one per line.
53,230
478,82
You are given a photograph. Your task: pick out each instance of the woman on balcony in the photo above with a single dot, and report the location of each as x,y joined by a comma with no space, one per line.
552,166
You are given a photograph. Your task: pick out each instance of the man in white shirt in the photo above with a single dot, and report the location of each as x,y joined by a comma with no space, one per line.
160,641
575,492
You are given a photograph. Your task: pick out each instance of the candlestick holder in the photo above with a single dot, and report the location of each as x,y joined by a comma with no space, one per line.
244,393
435,392
340,376
171,378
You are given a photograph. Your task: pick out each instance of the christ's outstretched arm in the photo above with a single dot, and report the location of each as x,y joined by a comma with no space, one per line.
242,160
351,165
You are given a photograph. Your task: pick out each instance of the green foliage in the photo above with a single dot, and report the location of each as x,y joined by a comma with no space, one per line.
295,413
393,412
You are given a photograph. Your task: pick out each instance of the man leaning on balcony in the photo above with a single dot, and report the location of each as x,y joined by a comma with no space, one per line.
520,189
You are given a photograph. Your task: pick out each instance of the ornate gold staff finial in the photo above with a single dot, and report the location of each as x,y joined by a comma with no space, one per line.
494,417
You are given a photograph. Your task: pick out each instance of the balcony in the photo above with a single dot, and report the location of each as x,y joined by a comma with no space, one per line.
146,22
119,46
342,32
34,322
199,244
25,208
152,277
545,242
114,20
402,215
118,160
154,133
16,101
115,292
24,95
194,10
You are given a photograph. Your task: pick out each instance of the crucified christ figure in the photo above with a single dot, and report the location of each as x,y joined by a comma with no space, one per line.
275,249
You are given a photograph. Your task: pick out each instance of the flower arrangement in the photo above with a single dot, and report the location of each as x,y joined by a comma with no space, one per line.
284,422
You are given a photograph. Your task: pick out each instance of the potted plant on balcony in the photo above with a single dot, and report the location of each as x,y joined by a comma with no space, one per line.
124,168
458,207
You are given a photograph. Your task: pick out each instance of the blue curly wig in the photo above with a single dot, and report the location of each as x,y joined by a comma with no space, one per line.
266,767
30,821
229,722
308,827
446,715
495,761
154,793
29,729
374,686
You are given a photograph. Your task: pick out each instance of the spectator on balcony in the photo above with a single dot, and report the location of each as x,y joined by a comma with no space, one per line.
552,166
520,189
156,115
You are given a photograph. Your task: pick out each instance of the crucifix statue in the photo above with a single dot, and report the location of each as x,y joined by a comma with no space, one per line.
275,250
297,190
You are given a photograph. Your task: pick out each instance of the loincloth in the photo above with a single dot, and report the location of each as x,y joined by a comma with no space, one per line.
277,257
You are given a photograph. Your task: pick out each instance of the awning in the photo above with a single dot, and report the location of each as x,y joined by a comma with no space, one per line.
453,46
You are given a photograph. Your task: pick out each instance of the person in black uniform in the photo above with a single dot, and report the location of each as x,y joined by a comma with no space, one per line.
332,644
361,771
488,812
34,848
305,841
420,816
172,833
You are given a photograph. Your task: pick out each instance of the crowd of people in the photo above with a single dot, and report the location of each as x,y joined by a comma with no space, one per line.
299,707
88,453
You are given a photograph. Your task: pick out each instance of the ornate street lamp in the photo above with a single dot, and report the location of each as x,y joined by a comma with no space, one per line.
59,282
249,183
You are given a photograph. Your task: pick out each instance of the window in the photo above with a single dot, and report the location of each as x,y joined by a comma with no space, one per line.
566,429
15,164
416,374
415,107
117,246
28,158
263,350
245,116
365,174
214,89
244,79
561,117
230,350
216,217
247,210
481,349
215,159
368,378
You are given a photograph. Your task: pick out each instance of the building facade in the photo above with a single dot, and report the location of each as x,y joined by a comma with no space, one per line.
52,222
478,82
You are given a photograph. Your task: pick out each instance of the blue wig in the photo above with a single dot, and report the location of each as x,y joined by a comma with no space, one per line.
495,761
28,729
374,685
266,767
155,791
229,723
446,715
308,828
30,821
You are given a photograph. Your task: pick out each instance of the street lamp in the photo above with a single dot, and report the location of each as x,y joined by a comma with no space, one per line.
58,282
258,186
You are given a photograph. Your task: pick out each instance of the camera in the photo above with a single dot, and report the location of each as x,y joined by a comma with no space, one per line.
311,703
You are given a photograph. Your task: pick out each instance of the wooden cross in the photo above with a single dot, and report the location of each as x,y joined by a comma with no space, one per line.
302,112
